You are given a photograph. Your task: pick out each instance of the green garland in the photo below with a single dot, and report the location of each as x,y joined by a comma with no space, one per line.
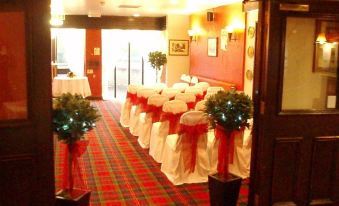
73,116
157,59
229,109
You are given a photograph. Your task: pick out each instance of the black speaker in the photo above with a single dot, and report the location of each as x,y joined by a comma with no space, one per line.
210,16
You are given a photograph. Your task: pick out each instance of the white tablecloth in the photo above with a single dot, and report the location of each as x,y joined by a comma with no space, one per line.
75,85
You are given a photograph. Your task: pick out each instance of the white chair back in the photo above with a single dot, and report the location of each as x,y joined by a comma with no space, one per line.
175,106
170,92
159,87
203,85
157,100
180,85
214,90
185,78
193,118
186,97
194,80
194,90
200,106
146,92
133,88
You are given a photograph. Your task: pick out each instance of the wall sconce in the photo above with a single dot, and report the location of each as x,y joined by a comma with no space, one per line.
232,35
193,34
321,38
57,13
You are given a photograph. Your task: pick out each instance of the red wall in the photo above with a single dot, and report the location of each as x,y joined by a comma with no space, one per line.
228,66
93,62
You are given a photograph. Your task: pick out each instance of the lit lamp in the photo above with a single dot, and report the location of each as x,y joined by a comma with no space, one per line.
231,33
321,38
193,34
57,13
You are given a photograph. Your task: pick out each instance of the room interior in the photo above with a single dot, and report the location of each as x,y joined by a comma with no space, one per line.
218,43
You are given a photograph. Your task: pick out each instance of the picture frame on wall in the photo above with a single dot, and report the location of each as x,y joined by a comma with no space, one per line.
212,47
178,47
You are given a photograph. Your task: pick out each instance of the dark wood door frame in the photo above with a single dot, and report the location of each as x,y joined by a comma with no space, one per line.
267,138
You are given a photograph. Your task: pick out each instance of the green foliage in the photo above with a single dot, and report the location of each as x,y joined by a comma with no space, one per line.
157,59
229,109
72,117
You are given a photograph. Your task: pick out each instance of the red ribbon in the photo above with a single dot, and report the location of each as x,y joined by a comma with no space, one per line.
226,148
156,111
204,93
190,105
173,121
73,174
199,97
142,101
190,143
133,98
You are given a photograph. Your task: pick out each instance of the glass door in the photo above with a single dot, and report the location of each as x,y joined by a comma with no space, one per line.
125,59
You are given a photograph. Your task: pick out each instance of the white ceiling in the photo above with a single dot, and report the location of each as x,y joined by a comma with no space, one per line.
152,8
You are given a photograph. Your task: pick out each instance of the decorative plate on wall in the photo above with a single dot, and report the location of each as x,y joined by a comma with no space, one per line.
249,74
251,32
250,51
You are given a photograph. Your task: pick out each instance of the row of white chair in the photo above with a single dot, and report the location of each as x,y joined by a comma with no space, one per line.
152,117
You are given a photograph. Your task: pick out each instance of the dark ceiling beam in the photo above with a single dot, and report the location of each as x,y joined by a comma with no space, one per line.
114,22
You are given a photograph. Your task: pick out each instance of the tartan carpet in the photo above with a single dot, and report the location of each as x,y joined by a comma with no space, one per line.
119,172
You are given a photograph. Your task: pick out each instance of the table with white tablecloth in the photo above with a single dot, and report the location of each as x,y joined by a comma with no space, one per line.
74,85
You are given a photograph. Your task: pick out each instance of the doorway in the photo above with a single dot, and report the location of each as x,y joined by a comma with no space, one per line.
125,59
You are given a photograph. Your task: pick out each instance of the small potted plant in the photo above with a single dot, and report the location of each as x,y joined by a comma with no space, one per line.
229,113
73,116
157,60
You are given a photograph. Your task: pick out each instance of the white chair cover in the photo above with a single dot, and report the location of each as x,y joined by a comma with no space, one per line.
188,98
203,85
159,87
200,106
161,129
170,92
146,120
209,95
181,86
214,90
134,118
173,165
127,105
197,91
185,78
194,80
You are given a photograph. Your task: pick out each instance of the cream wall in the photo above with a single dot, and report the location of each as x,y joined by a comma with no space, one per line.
252,18
177,27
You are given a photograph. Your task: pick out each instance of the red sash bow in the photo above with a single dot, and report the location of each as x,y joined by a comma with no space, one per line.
190,143
226,148
72,172
199,97
173,121
190,105
133,98
155,110
142,101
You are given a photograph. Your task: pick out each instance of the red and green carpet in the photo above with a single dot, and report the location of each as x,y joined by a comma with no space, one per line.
119,172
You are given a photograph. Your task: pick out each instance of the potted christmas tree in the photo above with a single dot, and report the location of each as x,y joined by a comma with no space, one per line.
73,116
229,113
157,60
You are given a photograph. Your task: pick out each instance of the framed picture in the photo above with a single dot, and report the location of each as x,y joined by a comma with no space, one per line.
178,47
212,47
326,51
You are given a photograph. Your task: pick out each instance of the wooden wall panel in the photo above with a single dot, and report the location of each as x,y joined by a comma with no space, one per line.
17,180
286,161
324,177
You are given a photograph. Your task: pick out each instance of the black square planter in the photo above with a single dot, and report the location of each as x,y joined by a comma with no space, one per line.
224,192
75,198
